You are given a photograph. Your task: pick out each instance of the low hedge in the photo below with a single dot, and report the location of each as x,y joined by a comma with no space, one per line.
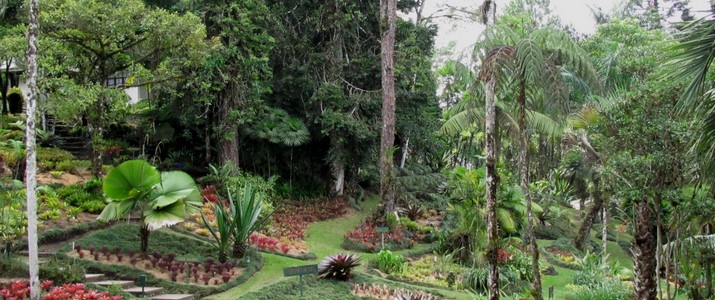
57,235
556,261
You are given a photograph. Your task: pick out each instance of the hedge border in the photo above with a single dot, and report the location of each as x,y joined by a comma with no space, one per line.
57,235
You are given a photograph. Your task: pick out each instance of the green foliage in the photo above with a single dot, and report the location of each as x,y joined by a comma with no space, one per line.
53,155
13,221
87,196
62,271
13,268
608,290
389,262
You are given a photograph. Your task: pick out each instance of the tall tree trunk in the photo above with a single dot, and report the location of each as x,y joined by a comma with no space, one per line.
491,132
6,86
405,150
644,252
491,195
604,234
585,230
228,134
388,25
337,166
31,162
524,175
96,138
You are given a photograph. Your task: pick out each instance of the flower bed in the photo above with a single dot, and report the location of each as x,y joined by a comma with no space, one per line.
366,239
19,290
164,267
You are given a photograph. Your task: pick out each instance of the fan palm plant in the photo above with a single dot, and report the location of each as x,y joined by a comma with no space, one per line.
161,199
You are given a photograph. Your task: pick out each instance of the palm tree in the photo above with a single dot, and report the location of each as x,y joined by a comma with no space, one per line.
161,199
31,159
535,64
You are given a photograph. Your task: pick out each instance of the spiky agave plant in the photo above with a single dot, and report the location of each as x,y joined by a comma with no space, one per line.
338,266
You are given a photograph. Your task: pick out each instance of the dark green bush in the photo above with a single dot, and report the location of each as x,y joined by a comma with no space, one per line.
62,271
12,268
564,244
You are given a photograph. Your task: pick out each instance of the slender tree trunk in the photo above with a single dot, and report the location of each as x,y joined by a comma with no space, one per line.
405,150
388,24
604,233
524,172
644,252
491,195
585,230
30,180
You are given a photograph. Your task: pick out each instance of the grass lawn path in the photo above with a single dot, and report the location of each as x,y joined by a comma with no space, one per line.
323,239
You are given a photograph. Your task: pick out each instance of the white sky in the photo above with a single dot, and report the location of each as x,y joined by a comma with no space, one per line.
574,12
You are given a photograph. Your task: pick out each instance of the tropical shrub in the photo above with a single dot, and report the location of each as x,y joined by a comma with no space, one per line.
389,262
162,198
338,266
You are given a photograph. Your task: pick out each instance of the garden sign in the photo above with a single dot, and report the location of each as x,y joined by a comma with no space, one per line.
300,271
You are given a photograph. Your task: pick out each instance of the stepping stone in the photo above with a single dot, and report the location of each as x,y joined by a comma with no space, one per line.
121,283
93,277
148,291
173,297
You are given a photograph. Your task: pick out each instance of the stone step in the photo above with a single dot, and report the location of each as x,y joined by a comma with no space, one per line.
121,283
39,253
148,291
93,277
173,297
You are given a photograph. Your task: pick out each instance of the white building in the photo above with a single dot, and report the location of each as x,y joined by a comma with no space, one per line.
135,93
